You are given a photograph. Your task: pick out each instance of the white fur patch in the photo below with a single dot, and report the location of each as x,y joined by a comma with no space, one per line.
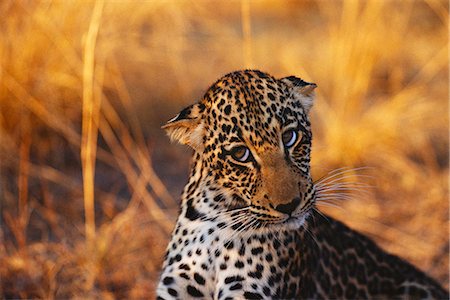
173,119
306,101
196,137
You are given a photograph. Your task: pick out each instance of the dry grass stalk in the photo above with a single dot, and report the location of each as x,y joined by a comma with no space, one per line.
90,112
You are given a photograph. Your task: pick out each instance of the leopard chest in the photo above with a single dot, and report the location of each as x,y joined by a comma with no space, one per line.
212,262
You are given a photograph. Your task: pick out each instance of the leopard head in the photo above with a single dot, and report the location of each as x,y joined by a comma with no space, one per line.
251,137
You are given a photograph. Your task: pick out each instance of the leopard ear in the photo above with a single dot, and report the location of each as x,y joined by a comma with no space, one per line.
301,90
187,127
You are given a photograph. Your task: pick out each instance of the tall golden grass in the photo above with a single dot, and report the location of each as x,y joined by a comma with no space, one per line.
89,185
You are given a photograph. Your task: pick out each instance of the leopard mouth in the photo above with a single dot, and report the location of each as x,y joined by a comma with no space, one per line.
241,217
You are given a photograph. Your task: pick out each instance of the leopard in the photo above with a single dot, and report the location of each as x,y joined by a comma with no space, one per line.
249,226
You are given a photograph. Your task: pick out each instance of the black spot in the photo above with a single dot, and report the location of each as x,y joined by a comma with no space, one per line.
236,226
229,245
292,289
256,275
170,261
276,244
219,198
363,295
250,295
227,109
184,114
236,286
239,264
283,262
259,267
373,287
338,290
256,251
185,267
226,128
274,107
242,249
172,292
199,279
233,279
194,292
191,213
291,252
297,81
350,292
168,280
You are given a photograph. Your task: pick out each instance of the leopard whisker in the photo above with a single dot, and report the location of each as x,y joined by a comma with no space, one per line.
236,220
336,193
232,235
355,184
340,185
319,212
328,204
342,171
305,228
340,179
331,190
244,226
276,237
224,213
334,198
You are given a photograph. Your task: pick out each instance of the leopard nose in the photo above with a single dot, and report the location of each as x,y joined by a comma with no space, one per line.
288,208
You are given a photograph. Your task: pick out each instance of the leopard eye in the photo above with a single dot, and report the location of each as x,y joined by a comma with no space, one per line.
241,153
289,138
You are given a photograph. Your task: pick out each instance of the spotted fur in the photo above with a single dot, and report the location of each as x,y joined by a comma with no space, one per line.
248,227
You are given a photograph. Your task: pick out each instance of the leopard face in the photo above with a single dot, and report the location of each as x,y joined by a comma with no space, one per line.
252,141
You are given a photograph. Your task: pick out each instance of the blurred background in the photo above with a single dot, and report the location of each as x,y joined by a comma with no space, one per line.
90,185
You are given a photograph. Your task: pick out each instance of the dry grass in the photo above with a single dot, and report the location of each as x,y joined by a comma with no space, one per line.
85,86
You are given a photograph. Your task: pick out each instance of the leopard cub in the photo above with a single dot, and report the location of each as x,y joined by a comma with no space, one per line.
248,225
